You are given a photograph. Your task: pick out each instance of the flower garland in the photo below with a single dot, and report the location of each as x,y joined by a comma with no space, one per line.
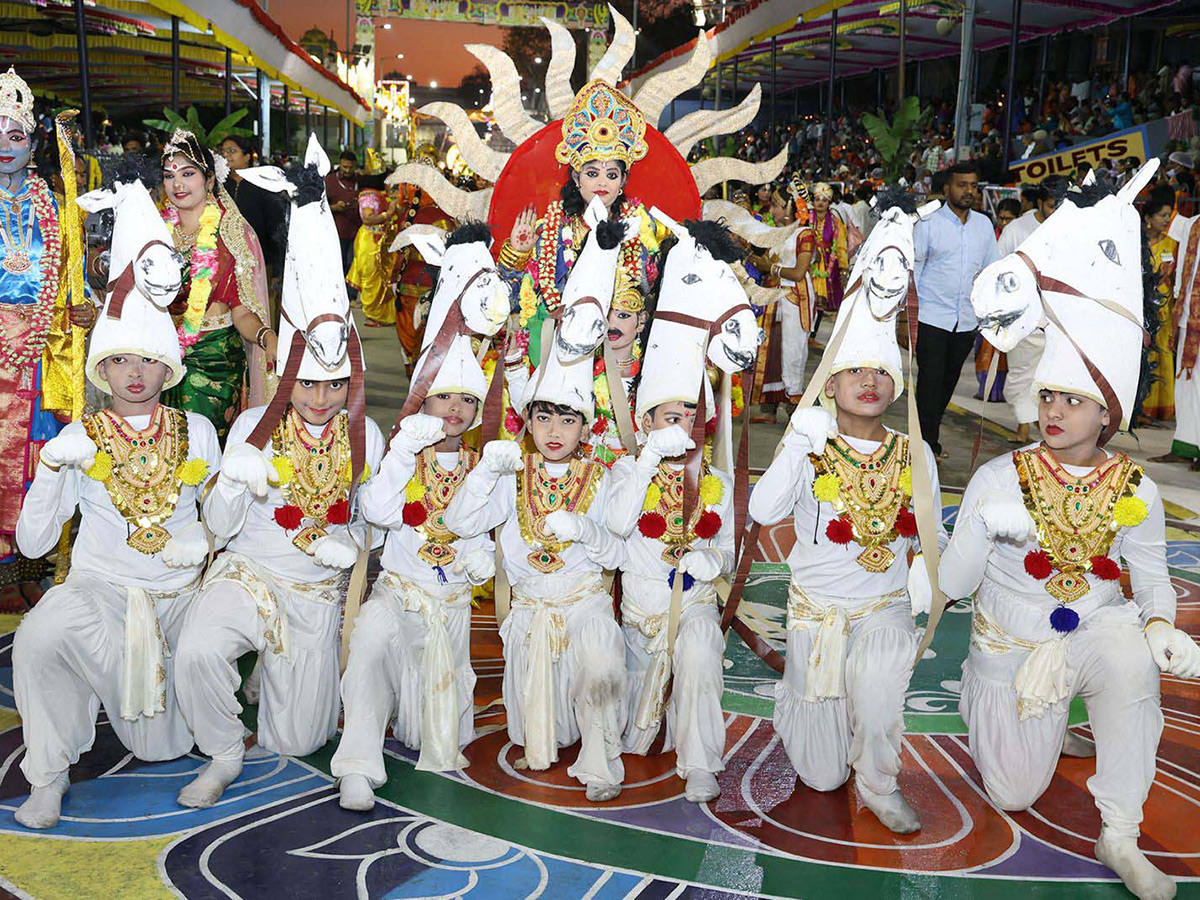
1077,519
203,268
662,511
870,493
42,310
605,422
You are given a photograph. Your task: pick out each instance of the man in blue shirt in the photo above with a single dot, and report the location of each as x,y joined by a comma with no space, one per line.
952,247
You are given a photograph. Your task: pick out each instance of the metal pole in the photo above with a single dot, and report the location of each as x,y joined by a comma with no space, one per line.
1128,53
633,56
717,95
962,110
1041,91
175,64
349,33
829,105
903,33
879,88
917,85
307,117
84,75
325,127
734,93
771,141
287,121
264,114
228,81
1010,90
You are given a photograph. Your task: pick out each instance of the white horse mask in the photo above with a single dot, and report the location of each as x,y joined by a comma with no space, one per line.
588,293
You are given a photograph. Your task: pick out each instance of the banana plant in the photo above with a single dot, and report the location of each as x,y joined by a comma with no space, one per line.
190,121
895,140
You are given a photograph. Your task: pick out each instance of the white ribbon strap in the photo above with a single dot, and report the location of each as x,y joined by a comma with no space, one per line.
1041,680
144,686
825,678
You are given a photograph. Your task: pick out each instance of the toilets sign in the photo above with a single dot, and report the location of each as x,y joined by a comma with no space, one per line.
1105,151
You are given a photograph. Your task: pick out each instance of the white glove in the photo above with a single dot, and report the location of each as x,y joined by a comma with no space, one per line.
1005,516
664,443
502,457
814,424
187,549
569,526
246,465
73,449
920,591
1173,650
334,551
417,432
703,565
479,566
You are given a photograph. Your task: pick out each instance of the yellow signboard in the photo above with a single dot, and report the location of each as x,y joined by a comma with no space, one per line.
1099,152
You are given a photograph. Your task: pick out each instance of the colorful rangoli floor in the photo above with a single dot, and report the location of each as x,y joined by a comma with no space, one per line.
501,831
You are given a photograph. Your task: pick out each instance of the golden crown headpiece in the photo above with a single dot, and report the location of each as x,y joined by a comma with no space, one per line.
16,100
822,191
602,124
186,144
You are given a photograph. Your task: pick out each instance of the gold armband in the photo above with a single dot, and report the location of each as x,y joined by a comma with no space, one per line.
513,259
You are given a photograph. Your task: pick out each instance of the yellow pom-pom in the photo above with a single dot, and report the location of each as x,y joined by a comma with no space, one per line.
906,481
366,472
648,232
711,490
529,300
1130,511
101,468
653,495
827,487
192,472
283,469
414,491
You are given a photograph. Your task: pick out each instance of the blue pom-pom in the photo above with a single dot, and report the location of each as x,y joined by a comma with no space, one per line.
688,580
1064,620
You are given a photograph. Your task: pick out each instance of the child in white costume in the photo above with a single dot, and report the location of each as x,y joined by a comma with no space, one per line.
283,503
564,666
108,633
1039,535
410,654
846,480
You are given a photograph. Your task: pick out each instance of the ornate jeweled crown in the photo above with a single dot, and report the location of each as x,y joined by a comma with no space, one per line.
187,144
16,100
602,124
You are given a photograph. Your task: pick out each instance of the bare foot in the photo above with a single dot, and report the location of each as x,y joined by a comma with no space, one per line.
354,792
44,805
1144,881
207,787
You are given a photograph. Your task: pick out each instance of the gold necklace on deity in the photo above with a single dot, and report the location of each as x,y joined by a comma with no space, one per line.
539,494
17,257
320,472
144,483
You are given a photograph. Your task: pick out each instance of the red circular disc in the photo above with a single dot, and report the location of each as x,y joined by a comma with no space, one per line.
532,175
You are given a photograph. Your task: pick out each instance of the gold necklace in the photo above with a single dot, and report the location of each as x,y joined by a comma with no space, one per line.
440,485
539,494
1073,514
17,258
870,494
670,506
144,482
320,471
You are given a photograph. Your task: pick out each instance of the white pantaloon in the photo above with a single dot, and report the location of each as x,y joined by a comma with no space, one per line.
69,658
1018,388
1187,415
387,673
294,629
695,723
824,739
795,348
571,615
1109,665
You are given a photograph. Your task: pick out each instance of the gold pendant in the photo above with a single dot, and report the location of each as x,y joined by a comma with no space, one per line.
437,554
304,539
149,539
876,559
1067,587
545,561
672,553
17,262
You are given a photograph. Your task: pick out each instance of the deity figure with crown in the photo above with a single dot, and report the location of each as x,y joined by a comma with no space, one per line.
33,323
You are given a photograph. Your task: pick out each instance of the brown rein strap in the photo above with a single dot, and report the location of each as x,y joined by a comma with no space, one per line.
1046,283
119,288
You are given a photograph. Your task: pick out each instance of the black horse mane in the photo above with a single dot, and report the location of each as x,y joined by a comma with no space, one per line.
138,167
470,233
894,195
1151,322
310,184
716,238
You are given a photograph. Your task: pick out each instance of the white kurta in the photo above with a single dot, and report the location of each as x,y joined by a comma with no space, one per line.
73,652
1108,662
1024,357
410,654
1187,384
695,723
857,720
560,637
267,595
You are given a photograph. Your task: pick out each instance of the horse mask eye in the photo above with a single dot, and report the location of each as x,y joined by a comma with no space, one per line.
1109,249
1008,283
691,278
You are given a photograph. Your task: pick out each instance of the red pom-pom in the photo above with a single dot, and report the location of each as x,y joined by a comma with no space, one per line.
634,368
414,514
710,427
839,531
652,525
288,516
339,513
708,525
600,425
1105,568
1038,564
906,523
598,366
